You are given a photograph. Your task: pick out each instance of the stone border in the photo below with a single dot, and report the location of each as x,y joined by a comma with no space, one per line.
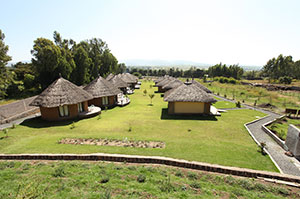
272,135
156,160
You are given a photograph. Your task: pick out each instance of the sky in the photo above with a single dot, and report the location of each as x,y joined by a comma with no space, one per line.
245,32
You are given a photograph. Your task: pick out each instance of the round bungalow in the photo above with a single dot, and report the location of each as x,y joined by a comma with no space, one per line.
62,100
119,83
104,93
188,99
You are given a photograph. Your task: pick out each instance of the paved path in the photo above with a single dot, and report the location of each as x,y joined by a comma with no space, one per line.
287,165
18,121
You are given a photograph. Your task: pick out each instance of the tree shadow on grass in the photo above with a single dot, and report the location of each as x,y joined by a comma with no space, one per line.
40,123
166,116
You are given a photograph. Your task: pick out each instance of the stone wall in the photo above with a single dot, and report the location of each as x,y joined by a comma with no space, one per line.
156,160
293,140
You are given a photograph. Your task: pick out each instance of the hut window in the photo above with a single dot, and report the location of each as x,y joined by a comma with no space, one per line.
63,111
80,107
104,100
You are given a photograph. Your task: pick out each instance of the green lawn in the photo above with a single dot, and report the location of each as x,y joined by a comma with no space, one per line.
28,179
221,140
224,104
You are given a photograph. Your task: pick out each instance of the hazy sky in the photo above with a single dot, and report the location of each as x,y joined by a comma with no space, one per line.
248,32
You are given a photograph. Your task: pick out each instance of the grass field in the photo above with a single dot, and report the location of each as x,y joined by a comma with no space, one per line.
250,94
100,180
220,140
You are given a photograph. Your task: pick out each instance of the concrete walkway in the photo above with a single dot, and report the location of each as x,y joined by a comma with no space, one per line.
287,165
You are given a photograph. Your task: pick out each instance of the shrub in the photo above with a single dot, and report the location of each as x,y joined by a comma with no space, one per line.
5,131
285,80
232,80
262,146
238,104
72,125
141,178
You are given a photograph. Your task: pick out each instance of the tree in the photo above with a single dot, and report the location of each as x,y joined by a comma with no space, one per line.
47,57
5,74
82,62
151,97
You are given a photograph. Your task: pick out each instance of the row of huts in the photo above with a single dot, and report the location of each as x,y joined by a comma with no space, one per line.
64,100
188,97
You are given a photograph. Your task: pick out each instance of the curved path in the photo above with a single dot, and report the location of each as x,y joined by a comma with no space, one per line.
286,165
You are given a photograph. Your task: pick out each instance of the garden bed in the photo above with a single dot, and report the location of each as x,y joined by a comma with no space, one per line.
280,126
113,142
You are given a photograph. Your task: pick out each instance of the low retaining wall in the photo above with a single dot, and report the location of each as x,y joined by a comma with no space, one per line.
156,160
273,136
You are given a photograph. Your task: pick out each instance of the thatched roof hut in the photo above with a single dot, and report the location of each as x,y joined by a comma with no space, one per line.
118,82
127,78
188,99
172,84
62,100
189,93
100,87
201,86
104,93
61,92
110,76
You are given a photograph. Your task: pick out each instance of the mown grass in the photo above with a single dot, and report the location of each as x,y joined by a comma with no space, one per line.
75,179
224,104
250,95
220,140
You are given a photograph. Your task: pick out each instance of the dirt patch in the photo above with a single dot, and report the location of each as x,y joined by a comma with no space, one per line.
267,105
113,142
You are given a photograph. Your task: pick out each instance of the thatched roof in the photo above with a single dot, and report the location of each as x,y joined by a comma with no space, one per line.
188,93
61,92
165,81
201,86
110,76
126,77
172,84
160,79
100,87
118,82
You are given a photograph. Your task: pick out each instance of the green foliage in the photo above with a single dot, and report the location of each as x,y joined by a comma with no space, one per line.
285,80
145,92
137,74
151,97
233,71
238,104
222,80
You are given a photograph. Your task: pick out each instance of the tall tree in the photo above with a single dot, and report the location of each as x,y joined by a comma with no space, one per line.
5,74
47,57
82,61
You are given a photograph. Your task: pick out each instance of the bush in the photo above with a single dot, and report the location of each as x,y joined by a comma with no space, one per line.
141,178
285,80
238,104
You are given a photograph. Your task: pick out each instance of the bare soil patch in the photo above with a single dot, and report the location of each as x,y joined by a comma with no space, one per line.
113,142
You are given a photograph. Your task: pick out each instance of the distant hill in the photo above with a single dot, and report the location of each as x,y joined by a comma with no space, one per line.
183,64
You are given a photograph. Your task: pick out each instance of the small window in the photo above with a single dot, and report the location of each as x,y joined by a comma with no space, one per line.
63,111
104,100
80,107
